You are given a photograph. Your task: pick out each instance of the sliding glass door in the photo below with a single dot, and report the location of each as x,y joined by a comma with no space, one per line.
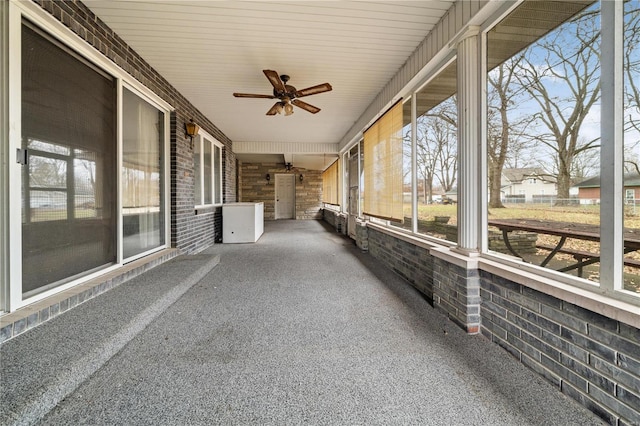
68,162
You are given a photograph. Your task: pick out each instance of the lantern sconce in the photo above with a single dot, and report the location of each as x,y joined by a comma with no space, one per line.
192,130
268,177
301,178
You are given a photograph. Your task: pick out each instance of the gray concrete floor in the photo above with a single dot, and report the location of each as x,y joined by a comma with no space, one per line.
298,328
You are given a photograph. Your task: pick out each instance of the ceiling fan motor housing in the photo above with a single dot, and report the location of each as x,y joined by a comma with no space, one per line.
289,92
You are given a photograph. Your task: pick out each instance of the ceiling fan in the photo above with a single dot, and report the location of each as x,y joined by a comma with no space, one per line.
288,95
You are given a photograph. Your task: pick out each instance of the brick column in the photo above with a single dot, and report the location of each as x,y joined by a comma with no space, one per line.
456,288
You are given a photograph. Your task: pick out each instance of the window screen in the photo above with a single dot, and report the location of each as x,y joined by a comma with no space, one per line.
68,183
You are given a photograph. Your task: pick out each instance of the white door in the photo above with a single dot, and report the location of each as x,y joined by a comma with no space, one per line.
285,196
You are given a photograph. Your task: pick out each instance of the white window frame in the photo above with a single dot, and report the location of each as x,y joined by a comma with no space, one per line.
17,11
202,139
344,169
4,157
629,195
608,292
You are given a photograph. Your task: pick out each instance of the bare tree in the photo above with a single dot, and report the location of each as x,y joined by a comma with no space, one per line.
505,134
585,164
562,75
437,147
520,154
47,172
631,90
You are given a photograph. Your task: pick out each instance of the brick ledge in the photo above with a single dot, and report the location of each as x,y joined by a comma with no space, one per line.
27,317
602,304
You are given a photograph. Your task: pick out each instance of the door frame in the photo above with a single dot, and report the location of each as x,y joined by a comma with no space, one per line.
278,178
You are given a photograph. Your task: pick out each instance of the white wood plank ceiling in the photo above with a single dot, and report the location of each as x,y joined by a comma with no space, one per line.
210,49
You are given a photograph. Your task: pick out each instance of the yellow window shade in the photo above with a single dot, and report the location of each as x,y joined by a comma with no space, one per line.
383,167
330,184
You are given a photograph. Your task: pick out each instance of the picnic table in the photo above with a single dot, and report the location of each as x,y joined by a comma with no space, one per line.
565,230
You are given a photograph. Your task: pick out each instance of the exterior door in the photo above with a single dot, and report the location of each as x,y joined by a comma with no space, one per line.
285,197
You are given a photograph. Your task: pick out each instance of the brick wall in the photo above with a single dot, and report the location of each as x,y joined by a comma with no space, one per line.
189,231
591,358
255,188
413,263
589,193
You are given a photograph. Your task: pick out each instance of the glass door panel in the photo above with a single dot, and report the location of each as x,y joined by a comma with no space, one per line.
143,212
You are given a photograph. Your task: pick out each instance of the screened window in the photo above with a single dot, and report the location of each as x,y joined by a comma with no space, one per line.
437,155
543,100
383,160
207,161
407,180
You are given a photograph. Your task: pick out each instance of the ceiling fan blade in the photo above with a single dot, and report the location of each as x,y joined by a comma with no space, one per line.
274,109
320,88
251,95
274,79
305,106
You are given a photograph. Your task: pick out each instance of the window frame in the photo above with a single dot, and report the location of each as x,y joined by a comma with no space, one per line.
202,139
4,142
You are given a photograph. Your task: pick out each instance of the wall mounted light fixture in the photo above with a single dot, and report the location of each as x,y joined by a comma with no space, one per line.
268,177
192,130
301,178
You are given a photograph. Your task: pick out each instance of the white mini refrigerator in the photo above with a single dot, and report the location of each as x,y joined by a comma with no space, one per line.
242,222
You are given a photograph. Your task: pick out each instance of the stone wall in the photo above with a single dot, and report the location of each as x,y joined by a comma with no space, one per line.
362,236
521,242
336,219
255,188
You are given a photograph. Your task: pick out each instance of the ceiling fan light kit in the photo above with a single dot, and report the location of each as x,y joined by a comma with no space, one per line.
287,94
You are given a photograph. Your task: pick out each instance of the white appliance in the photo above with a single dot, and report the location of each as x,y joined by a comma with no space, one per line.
242,222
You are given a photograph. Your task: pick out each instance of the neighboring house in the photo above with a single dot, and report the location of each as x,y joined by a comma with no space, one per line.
589,189
527,184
